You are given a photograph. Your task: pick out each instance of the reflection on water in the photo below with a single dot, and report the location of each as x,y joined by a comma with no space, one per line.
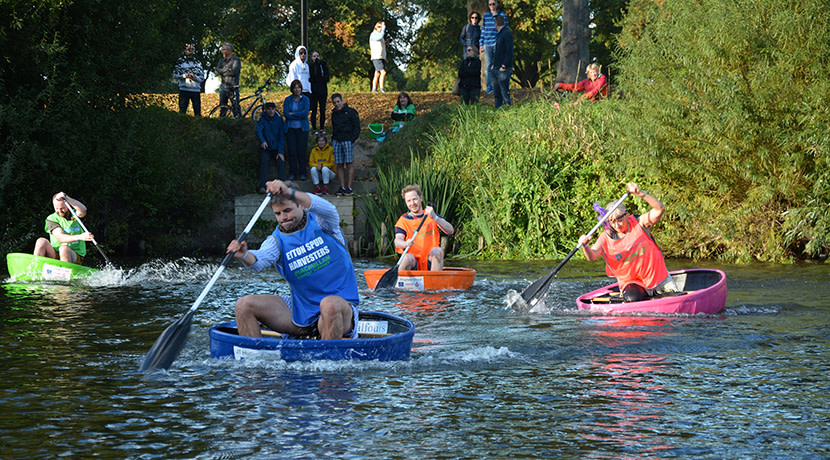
628,387
482,382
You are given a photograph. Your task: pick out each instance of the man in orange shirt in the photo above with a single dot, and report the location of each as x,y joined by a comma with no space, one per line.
425,251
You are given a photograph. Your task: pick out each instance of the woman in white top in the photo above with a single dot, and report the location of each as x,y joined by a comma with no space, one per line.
377,48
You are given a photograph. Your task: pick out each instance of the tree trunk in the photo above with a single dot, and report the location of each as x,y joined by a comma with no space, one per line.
573,50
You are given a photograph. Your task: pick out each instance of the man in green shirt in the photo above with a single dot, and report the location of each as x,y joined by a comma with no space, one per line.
66,236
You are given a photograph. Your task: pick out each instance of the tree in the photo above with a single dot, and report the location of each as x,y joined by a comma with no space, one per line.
728,109
574,48
267,34
534,24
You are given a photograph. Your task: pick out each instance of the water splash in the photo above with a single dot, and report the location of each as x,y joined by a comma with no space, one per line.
516,303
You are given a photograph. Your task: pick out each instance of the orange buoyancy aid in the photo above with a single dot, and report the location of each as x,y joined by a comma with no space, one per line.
635,258
428,237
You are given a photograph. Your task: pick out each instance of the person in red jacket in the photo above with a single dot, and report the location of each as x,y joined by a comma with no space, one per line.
630,252
594,86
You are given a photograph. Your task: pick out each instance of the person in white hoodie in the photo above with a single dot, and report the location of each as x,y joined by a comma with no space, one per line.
298,70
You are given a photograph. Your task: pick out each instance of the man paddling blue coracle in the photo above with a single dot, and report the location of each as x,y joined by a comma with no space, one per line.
309,250
67,238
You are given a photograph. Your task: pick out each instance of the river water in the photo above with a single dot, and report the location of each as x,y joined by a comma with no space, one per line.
482,381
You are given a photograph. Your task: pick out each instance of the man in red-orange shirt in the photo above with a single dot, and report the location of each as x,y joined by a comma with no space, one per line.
425,251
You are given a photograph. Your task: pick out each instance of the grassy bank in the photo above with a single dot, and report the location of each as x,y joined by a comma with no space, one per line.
526,179
518,183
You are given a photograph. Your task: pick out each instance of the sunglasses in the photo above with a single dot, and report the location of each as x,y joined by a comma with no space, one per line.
618,220
475,17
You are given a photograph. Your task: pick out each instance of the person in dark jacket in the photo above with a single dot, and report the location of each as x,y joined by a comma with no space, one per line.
501,69
228,69
319,78
471,33
269,130
469,74
345,129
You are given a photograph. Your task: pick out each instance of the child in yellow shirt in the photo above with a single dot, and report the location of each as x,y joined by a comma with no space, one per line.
321,164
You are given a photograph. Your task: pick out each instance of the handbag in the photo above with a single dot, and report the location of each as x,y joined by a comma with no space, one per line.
456,87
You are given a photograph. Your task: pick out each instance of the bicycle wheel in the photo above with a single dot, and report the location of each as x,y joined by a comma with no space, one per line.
216,112
257,112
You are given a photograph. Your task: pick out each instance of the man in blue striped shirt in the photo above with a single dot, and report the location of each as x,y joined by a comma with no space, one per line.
487,43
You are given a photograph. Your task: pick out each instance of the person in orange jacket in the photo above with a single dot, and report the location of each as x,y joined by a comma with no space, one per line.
425,251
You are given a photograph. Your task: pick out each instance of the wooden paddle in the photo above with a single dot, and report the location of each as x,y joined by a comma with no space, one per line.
75,215
170,343
533,293
390,278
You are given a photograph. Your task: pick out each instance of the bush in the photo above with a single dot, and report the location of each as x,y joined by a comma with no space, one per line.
145,173
728,113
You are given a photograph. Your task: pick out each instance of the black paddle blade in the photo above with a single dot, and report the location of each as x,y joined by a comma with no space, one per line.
169,344
524,302
389,279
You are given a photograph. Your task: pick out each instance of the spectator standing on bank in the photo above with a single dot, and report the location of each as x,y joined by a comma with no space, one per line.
345,129
319,77
269,130
295,110
487,43
228,69
298,70
469,74
377,49
471,34
502,68
190,76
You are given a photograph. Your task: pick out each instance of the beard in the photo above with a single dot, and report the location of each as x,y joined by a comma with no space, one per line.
297,225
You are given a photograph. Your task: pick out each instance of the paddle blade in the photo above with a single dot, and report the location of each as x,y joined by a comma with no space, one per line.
389,279
168,345
516,303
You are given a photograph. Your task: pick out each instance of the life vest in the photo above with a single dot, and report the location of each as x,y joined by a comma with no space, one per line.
635,258
316,265
69,227
428,237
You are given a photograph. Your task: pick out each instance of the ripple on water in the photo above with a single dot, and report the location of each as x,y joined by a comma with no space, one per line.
482,381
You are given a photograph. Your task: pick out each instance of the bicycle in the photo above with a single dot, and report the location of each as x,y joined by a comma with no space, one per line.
255,108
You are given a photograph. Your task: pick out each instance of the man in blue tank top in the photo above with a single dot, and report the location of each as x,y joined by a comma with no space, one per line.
309,250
